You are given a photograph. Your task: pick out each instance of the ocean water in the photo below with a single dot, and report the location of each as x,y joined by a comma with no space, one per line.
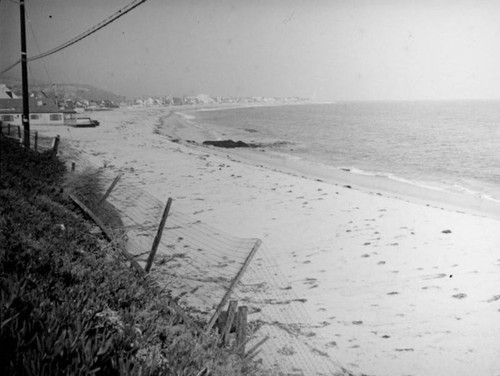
441,145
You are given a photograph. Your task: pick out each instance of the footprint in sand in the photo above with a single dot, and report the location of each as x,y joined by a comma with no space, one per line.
311,281
431,287
434,276
494,298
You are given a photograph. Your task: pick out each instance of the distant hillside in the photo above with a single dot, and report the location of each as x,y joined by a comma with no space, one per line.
69,91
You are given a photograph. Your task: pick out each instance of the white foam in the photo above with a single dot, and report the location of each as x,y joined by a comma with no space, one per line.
442,187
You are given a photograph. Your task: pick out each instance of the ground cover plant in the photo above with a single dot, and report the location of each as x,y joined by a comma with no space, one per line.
68,304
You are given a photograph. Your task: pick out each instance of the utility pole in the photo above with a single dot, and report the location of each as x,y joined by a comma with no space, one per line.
24,68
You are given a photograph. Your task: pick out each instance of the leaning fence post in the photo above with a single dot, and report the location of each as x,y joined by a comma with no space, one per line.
231,311
157,240
110,189
236,279
106,231
55,146
36,141
241,329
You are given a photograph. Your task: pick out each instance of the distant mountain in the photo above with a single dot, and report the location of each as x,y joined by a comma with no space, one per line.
69,91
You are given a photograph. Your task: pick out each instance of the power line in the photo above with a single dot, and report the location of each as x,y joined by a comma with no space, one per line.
134,4
37,45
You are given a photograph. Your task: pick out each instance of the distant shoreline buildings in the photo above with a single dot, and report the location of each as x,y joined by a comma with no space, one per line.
79,98
170,100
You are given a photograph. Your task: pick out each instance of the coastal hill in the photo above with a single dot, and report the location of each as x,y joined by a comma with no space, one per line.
76,92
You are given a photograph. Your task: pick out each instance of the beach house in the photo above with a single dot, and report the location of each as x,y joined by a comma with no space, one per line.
41,112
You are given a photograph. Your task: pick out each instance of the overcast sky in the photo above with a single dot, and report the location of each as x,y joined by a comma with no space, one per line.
328,50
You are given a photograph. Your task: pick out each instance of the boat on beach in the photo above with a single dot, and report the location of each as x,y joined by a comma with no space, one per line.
83,122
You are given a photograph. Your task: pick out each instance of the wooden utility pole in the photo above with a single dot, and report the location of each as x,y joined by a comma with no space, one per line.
24,68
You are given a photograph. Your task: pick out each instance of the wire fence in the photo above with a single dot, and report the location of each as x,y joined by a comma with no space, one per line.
38,142
196,265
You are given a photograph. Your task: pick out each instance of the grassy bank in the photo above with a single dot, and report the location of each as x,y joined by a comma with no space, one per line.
68,305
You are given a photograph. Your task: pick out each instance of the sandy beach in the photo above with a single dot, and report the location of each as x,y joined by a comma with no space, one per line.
396,281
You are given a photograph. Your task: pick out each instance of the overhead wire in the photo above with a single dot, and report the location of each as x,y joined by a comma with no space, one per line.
121,12
36,44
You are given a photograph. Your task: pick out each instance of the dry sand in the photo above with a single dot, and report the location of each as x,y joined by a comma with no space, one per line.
397,281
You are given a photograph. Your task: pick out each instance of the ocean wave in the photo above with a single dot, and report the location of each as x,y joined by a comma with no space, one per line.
439,186
433,145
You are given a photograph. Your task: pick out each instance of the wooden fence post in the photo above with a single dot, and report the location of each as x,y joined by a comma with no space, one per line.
235,281
106,231
1,127
55,146
231,312
111,187
36,141
8,128
19,131
241,330
157,240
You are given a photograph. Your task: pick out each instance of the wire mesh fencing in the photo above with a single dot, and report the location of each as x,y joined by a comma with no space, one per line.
277,313
37,142
196,264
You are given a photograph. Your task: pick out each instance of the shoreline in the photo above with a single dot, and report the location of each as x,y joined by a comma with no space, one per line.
187,130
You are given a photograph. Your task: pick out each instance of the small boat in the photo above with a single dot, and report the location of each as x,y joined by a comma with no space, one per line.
84,122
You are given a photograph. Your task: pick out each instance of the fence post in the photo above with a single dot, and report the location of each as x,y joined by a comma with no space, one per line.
106,231
8,128
1,127
19,131
110,189
231,311
241,329
157,240
55,146
36,141
235,281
